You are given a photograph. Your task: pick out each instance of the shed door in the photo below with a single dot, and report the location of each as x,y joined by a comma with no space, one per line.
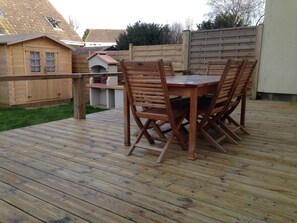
42,61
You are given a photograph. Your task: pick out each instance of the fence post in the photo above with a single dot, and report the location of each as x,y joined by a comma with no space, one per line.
258,47
186,49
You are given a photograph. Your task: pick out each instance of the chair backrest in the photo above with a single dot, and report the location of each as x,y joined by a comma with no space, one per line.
146,86
216,67
168,68
246,74
225,88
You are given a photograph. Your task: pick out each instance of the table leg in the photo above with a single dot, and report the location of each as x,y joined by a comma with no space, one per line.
193,125
242,110
127,136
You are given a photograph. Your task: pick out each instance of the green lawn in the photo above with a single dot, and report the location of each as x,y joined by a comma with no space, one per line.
11,118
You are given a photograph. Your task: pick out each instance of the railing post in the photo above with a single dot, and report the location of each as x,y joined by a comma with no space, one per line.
78,88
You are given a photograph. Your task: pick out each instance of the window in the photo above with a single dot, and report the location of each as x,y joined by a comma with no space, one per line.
53,22
35,61
50,62
1,14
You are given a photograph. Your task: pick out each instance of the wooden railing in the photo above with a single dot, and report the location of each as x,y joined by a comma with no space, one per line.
78,86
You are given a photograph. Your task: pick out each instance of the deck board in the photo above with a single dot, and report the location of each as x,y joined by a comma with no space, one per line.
77,171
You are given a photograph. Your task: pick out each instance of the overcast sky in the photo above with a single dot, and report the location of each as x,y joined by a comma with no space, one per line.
117,14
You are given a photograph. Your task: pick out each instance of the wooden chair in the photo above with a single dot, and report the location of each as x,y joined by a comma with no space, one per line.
215,67
146,86
239,92
177,100
210,113
168,68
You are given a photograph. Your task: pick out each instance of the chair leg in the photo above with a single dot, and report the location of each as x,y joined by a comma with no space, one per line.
157,129
170,140
221,131
141,133
238,126
228,130
146,134
177,133
212,141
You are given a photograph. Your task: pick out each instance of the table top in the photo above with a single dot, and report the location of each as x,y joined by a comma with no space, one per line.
191,80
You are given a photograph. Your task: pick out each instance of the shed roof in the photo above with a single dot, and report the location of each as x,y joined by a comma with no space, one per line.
27,16
104,57
17,38
103,35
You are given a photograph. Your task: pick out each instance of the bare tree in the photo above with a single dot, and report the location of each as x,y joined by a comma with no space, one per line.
176,32
189,23
249,11
73,22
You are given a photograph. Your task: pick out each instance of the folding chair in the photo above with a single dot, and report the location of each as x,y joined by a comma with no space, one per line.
215,67
146,86
176,100
210,113
239,92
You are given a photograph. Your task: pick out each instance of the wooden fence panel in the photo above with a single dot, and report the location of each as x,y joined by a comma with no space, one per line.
171,53
152,52
219,44
119,54
237,43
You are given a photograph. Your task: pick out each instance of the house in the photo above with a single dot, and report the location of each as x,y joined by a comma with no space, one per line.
278,68
27,17
102,37
27,54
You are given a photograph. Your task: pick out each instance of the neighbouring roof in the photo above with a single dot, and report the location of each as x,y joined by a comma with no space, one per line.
104,57
88,50
27,16
17,38
103,35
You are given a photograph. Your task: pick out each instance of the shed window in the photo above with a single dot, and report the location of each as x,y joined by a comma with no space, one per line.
35,61
50,62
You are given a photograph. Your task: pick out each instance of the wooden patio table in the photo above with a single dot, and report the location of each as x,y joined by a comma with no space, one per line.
185,85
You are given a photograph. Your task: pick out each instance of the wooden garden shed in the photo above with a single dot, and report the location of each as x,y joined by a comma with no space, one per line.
29,54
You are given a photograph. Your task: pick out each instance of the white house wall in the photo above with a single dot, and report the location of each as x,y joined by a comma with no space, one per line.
278,67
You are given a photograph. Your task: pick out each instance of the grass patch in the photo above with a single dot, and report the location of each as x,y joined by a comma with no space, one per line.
12,118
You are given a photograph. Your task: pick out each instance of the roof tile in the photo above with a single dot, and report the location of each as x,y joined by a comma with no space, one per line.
103,35
27,16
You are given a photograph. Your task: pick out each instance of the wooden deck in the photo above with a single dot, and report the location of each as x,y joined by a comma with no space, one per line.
77,171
